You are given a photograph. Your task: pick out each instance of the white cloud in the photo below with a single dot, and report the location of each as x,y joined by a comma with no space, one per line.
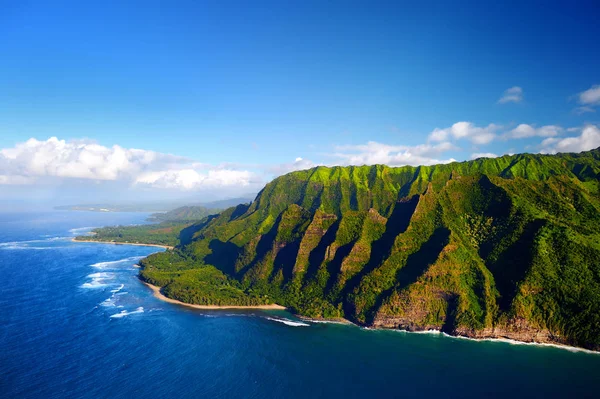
591,96
583,109
465,130
483,155
190,179
588,99
512,95
30,161
524,131
298,164
378,153
589,139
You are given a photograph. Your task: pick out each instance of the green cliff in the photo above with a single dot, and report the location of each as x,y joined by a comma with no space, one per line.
505,247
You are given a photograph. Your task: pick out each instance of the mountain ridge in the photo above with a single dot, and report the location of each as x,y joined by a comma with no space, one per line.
496,247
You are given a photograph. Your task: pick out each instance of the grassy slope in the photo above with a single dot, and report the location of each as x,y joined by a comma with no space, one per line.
166,233
184,214
507,244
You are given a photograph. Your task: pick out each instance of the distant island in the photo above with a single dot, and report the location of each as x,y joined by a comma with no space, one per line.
153,206
150,207
507,247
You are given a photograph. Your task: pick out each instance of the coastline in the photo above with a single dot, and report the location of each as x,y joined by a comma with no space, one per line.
123,243
342,321
488,339
159,295
336,320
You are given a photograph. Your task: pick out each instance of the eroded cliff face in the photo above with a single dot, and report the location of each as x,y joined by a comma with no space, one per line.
517,330
502,248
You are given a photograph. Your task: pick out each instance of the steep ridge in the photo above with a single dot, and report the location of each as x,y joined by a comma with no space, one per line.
505,247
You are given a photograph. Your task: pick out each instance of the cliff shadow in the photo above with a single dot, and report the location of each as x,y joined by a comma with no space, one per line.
396,224
416,265
418,262
286,259
239,211
512,265
265,244
451,313
317,255
186,235
334,267
223,256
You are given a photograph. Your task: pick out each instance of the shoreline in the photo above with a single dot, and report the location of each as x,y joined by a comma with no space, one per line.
123,243
159,295
336,320
488,339
340,321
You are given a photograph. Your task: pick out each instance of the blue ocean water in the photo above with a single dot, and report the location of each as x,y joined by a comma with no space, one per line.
76,322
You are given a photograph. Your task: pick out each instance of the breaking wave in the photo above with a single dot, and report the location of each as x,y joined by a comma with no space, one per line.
288,322
27,244
98,280
80,230
124,313
104,265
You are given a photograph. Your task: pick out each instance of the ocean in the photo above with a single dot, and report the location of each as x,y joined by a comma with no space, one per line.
76,322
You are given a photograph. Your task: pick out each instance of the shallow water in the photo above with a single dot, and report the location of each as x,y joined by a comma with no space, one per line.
76,322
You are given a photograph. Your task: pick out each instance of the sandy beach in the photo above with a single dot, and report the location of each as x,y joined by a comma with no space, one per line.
159,295
124,243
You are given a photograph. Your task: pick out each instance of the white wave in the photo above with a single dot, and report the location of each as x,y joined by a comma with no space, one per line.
93,284
328,322
26,244
118,289
54,238
80,230
103,265
288,322
17,247
98,280
101,275
108,302
514,342
124,313
431,331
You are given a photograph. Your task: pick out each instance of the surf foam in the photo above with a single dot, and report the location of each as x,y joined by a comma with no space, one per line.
125,313
104,265
288,322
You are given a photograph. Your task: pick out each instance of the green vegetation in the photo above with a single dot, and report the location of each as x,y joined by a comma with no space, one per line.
184,214
166,233
491,247
171,229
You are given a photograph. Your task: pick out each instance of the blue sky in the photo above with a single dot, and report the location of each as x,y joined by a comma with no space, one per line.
240,90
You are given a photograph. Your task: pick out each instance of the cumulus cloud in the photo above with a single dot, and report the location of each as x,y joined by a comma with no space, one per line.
373,153
190,179
589,139
465,130
512,95
591,96
524,131
588,99
30,161
393,155
483,155
298,164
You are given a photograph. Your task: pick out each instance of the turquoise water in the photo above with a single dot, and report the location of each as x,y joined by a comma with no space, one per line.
76,322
